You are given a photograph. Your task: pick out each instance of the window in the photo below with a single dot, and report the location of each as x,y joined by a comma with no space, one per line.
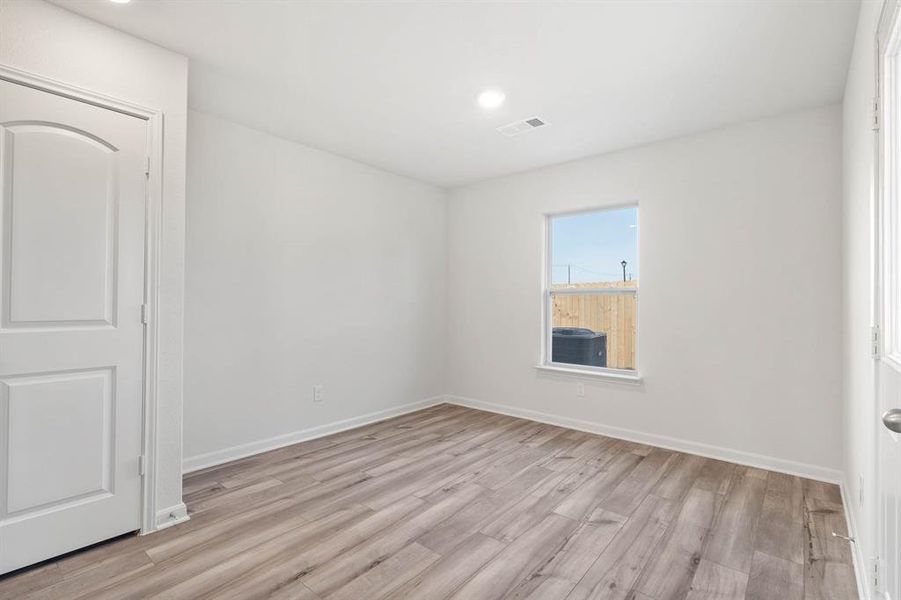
591,292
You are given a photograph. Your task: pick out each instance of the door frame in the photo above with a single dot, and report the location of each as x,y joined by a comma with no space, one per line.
886,229
152,248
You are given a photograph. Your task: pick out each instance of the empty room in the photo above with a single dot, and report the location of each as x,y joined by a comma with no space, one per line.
458,299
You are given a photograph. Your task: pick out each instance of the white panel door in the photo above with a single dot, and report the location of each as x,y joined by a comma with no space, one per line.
72,185
888,307
889,485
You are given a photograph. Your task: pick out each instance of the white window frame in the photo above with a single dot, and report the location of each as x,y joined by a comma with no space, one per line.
546,364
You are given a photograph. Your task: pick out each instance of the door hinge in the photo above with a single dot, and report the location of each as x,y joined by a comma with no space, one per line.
874,341
144,314
141,468
874,117
146,165
876,562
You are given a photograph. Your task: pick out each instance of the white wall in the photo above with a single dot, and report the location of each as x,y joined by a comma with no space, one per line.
860,417
49,41
303,268
740,305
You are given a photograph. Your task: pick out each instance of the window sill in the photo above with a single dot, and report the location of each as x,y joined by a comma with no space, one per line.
592,375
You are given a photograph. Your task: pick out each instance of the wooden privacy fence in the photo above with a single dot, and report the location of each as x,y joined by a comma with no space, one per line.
613,314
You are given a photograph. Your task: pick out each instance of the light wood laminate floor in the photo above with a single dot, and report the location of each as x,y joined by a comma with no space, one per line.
451,502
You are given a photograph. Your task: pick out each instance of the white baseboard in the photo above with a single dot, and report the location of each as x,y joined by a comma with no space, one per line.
218,457
861,567
750,459
173,515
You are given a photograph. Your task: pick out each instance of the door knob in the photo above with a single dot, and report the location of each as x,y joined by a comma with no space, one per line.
892,419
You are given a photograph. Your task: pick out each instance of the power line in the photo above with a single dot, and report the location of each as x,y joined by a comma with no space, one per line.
581,268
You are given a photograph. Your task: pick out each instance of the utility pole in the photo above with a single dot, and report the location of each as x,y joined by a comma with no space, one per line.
624,263
569,274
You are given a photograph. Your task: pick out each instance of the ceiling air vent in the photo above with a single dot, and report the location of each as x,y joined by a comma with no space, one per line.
518,127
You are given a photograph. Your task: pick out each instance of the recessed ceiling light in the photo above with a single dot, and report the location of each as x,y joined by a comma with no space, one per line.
120,1
491,98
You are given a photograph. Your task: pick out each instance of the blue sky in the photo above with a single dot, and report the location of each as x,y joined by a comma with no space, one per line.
594,244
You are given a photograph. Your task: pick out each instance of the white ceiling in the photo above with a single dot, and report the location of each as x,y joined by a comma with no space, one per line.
393,84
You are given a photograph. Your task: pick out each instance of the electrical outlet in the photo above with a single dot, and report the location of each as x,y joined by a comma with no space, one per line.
580,390
317,393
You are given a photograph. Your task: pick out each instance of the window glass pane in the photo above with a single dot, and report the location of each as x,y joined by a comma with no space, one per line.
598,249
596,330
